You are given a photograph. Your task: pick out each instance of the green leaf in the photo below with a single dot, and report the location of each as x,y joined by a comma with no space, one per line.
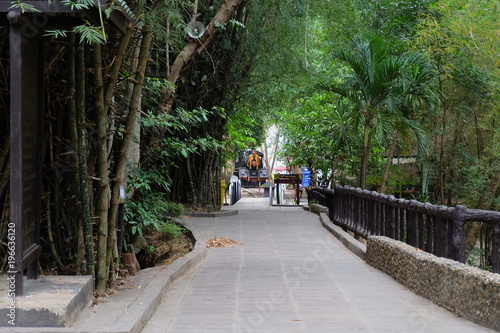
220,26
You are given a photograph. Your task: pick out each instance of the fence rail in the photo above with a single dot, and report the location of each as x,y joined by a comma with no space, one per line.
436,229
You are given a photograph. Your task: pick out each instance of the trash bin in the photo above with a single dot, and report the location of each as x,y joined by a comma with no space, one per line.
266,190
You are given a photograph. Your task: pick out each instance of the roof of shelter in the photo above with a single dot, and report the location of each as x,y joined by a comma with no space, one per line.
57,8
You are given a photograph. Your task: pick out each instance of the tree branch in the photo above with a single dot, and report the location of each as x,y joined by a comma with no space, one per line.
195,48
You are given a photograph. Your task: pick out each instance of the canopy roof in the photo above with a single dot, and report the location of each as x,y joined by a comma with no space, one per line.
59,12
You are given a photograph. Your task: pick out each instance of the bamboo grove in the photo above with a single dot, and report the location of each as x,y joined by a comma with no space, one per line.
121,111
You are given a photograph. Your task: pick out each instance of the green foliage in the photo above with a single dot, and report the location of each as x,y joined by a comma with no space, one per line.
78,4
321,135
24,7
175,209
55,34
145,180
172,229
179,143
243,130
150,212
395,20
176,128
90,34
477,257
458,36
383,88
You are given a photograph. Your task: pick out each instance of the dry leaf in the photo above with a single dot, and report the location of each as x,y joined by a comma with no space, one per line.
222,242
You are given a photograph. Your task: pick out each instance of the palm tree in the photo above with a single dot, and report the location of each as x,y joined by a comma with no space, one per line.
415,94
376,83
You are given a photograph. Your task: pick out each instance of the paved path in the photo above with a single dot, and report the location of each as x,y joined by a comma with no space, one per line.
289,275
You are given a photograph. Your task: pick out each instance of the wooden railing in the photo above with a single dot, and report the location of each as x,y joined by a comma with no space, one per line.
436,229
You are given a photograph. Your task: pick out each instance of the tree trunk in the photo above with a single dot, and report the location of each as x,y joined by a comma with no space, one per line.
52,245
73,134
441,148
114,71
388,162
102,199
364,156
127,138
82,158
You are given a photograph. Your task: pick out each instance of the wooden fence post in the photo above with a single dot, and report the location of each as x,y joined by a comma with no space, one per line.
457,242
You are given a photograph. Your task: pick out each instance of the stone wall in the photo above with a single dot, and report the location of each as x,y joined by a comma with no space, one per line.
467,291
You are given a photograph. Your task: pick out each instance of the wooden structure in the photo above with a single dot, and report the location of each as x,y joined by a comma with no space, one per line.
26,117
295,179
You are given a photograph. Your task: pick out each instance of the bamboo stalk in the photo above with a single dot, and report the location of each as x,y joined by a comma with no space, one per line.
82,158
102,199
127,139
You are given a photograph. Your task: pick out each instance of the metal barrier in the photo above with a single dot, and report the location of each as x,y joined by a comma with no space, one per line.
234,191
436,229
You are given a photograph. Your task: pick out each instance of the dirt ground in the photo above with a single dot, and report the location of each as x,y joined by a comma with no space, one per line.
162,249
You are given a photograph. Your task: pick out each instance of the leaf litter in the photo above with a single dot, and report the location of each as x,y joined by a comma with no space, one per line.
222,242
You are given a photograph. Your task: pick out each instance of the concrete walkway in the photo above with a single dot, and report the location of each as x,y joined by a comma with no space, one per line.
289,275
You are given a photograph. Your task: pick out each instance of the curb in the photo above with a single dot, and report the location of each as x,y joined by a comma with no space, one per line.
142,308
347,240
214,214
138,314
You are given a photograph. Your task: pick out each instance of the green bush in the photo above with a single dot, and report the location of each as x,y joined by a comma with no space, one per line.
174,209
152,212
172,229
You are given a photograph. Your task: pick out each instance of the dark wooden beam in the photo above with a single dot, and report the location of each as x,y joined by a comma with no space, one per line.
119,18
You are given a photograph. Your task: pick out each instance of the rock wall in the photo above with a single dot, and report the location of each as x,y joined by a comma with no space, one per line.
467,291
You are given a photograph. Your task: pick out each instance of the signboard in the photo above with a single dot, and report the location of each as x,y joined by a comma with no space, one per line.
294,179
291,178
306,177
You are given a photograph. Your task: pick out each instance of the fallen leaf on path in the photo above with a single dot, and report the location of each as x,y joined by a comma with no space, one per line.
222,242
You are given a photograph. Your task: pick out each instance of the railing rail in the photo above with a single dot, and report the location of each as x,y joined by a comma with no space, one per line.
436,229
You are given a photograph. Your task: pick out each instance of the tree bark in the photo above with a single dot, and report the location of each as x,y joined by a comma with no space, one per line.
82,158
127,136
73,134
52,245
102,199
114,71
388,162
364,155
441,147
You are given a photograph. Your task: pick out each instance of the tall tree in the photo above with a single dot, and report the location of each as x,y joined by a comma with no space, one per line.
371,84
416,94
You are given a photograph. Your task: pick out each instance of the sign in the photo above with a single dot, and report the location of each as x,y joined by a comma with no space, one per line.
306,177
292,178
283,178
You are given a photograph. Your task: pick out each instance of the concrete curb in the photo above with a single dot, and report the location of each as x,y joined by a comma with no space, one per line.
214,214
141,309
138,315
347,240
